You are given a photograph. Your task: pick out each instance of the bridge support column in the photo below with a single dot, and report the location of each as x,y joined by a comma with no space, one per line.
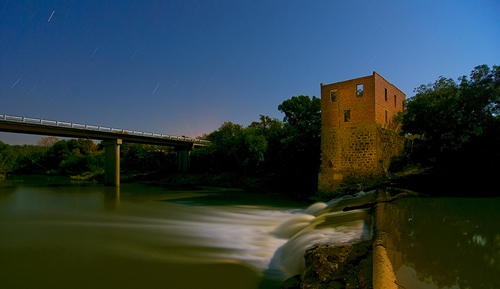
112,162
183,160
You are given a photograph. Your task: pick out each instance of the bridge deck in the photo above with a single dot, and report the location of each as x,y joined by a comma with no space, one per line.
20,124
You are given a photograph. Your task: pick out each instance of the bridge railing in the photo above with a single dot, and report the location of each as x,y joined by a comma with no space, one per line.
97,128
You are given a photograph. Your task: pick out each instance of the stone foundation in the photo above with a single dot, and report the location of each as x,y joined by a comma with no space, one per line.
356,152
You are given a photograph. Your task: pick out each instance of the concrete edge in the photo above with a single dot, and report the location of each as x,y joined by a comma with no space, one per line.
383,271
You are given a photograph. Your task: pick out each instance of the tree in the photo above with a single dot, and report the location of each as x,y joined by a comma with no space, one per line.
303,113
29,158
7,158
458,122
301,142
272,130
233,148
70,157
252,149
47,141
448,114
223,147
147,159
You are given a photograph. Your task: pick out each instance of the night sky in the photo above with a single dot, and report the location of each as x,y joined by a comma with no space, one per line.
185,67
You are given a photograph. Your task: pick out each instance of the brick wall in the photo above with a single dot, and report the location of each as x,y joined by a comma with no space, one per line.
392,104
362,109
363,146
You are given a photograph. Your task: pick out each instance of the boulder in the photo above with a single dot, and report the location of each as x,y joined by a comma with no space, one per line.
345,265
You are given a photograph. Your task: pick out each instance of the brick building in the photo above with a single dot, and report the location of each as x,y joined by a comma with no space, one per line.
358,137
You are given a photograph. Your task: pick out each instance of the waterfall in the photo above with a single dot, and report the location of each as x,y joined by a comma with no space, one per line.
318,224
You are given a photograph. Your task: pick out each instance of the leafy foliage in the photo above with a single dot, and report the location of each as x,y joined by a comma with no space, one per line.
70,157
301,142
458,123
7,158
67,157
141,159
284,156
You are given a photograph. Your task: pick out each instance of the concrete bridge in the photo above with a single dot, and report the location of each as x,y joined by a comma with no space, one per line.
112,138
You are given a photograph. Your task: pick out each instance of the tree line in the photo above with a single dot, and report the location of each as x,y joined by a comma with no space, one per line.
82,159
456,129
269,154
453,130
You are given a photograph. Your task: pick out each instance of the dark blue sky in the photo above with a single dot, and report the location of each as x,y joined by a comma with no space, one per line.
185,67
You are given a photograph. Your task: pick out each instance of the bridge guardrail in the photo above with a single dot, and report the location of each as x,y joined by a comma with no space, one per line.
40,121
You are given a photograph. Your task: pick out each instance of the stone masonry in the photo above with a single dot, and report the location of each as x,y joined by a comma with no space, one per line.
358,137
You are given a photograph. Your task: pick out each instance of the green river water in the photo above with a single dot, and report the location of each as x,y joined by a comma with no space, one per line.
55,233
445,242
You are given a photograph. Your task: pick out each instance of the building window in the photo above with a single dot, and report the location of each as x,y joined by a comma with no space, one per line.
394,100
359,90
386,118
333,95
386,94
347,115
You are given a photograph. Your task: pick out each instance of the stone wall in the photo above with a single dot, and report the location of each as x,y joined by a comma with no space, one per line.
360,152
348,152
389,144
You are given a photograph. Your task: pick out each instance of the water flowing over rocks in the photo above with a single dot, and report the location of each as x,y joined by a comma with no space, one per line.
342,258
361,263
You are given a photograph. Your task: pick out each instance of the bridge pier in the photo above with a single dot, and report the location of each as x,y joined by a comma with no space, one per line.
111,140
112,162
182,159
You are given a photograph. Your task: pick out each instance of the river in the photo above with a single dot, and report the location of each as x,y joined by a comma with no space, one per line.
56,233
445,243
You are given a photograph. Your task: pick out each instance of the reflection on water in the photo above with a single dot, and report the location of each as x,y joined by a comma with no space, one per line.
446,242
60,234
